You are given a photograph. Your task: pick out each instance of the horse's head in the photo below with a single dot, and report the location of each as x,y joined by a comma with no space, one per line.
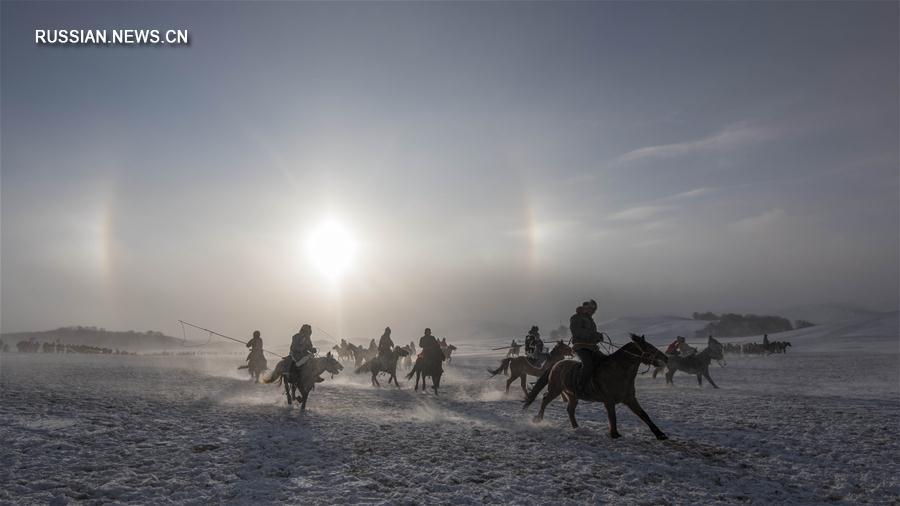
650,355
401,352
331,364
716,350
561,350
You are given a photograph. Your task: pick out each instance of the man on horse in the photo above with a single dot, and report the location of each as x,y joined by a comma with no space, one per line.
680,347
534,346
385,345
431,348
301,348
584,341
256,346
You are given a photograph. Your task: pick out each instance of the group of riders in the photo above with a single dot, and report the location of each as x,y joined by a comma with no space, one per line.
585,340
302,349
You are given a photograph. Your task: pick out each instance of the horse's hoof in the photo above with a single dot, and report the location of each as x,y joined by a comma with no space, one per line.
615,435
536,419
662,437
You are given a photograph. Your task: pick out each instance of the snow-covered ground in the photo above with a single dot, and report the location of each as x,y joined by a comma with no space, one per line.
818,424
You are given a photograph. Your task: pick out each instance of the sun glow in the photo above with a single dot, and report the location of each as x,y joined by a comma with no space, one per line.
332,249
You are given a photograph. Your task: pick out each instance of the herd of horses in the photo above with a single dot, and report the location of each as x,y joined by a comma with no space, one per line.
758,348
613,379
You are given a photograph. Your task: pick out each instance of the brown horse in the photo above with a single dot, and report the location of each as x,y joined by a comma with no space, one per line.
613,383
520,367
306,380
429,363
386,364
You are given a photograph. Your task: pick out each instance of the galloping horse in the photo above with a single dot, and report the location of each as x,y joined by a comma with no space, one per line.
520,367
388,365
613,383
256,365
448,352
698,363
407,359
310,374
428,364
343,350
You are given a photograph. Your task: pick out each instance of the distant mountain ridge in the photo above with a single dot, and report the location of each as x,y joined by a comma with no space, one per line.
129,340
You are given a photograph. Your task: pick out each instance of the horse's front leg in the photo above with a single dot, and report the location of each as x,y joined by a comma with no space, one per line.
711,382
670,373
611,414
287,392
552,393
699,380
636,408
523,380
570,409
304,398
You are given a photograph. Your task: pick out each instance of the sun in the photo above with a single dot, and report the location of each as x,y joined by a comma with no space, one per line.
331,248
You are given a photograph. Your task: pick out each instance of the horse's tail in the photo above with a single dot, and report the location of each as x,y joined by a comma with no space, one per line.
276,374
364,368
412,372
536,389
504,366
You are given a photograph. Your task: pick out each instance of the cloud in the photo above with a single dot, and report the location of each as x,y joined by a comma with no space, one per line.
759,221
732,136
696,192
638,213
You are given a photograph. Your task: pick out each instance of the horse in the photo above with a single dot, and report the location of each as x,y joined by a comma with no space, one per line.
310,374
520,367
407,359
428,364
698,363
343,351
360,354
612,383
448,352
379,365
256,365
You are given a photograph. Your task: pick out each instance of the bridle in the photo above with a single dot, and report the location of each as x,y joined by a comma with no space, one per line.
645,357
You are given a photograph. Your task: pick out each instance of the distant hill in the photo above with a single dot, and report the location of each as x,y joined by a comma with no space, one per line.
658,329
829,313
92,336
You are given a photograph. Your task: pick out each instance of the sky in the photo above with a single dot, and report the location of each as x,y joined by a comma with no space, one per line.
492,163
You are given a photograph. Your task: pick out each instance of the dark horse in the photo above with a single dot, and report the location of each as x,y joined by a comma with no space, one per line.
388,364
428,364
697,363
256,365
613,383
520,367
310,374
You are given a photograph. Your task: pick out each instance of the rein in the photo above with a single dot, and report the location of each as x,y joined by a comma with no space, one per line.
621,348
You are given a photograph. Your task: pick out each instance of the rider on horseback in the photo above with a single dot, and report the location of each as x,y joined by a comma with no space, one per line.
301,348
680,347
534,347
385,344
255,345
584,341
431,348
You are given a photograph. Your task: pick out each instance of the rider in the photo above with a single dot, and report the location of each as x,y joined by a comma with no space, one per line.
765,340
301,347
680,347
430,346
255,344
584,341
385,344
533,343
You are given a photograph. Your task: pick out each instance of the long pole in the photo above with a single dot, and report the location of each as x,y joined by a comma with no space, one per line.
224,336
